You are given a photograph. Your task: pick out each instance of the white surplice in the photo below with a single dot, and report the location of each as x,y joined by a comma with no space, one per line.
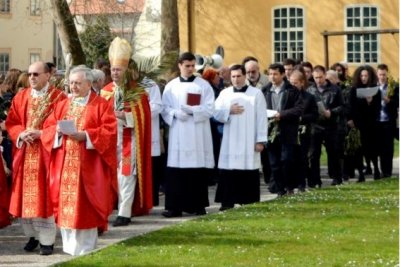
190,142
241,131
155,106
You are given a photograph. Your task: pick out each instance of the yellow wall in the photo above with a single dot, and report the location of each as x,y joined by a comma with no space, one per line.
244,28
21,34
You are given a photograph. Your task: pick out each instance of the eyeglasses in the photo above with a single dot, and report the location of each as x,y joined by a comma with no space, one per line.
35,74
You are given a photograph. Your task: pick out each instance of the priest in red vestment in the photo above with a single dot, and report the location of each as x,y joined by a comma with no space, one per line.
82,137
30,198
131,104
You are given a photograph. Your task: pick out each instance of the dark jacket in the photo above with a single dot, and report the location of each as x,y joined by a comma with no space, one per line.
364,115
310,110
391,107
291,110
332,99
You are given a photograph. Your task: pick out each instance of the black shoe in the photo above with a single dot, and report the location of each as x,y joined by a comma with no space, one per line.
377,175
282,193
31,245
172,214
368,171
201,212
122,221
336,182
46,250
361,178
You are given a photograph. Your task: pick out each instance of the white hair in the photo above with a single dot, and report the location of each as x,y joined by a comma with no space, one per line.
98,75
87,72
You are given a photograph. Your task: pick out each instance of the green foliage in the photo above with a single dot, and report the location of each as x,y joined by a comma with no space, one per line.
154,68
352,142
96,40
349,225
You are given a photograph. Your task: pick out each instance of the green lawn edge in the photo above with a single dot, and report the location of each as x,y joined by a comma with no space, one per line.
348,225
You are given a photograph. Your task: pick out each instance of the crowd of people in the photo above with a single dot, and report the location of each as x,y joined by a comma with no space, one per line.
115,140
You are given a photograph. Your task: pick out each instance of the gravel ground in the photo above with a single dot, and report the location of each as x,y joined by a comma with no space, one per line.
12,239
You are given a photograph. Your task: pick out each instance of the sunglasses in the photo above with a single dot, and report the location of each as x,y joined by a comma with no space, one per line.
35,74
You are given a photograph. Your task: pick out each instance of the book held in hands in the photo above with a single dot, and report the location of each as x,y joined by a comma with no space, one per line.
193,99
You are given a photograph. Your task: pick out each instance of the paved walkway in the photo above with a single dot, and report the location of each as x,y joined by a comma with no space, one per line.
12,239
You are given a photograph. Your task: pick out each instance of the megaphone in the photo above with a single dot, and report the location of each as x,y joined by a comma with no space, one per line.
214,61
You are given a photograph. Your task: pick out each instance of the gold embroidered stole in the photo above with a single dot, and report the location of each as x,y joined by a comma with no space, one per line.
70,188
30,183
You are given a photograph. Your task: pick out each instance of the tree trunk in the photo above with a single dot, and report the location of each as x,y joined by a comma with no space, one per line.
169,31
70,43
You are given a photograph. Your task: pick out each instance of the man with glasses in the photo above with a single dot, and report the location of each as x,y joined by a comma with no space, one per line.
30,199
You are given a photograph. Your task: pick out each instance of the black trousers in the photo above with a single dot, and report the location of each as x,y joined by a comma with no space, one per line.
282,162
385,148
302,161
238,186
328,137
186,189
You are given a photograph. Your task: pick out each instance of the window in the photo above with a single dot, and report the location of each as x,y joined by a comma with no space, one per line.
4,6
288,30
35,8
34,57
4,62
362,48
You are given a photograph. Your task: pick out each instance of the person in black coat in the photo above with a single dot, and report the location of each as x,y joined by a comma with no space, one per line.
364,113
386,121
325,130
287,102
298,79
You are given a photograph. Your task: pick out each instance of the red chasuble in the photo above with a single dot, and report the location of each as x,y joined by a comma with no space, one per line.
81,178
143,201
4,198
29,195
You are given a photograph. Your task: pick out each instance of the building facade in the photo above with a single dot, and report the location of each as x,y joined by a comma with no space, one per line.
277,29
269,30
27,33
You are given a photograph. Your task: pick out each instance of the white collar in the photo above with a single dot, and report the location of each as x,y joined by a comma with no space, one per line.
42,92
80,100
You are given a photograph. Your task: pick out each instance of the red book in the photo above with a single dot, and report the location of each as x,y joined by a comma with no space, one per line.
193,99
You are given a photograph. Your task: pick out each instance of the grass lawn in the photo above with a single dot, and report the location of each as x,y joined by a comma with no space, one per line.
349,225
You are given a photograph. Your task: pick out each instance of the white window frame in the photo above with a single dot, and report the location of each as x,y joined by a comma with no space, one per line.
34,57
364,39
290,32
35,8
6,6
4,65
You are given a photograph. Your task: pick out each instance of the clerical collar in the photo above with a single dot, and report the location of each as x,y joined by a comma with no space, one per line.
188,80
42,92
241,90
80,100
